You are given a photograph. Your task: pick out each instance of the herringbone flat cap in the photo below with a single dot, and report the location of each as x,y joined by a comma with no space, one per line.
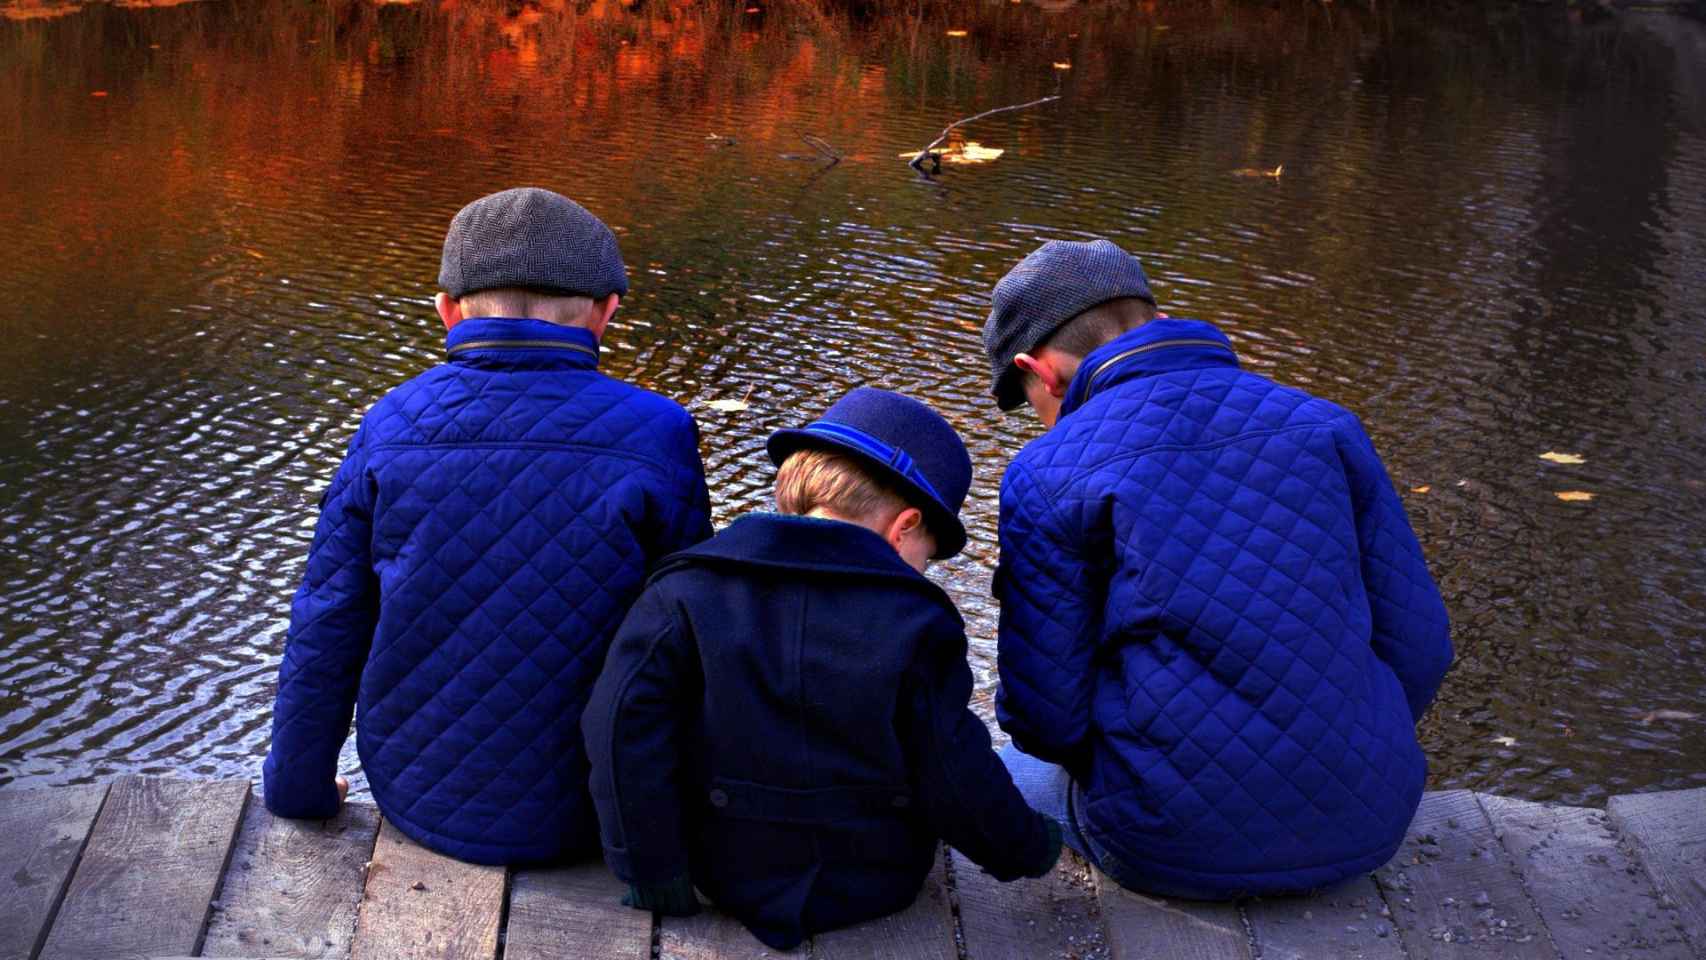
533,238
1056,282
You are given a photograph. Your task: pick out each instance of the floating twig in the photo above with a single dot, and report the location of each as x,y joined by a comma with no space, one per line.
823,151
917,162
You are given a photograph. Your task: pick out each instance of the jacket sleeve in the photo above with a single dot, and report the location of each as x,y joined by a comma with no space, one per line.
331,630
683,507
1051,615
632,727
962,786
1412,632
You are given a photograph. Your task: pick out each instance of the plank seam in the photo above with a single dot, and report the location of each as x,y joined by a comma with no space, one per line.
76,861
503,912
951,889
1693,939
1391,911
224,867
1516,868
1249,929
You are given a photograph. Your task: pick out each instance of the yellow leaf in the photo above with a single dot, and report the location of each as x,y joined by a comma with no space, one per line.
969,152
1569,458
727,406
1424,488
1574,496
956,33
1062,65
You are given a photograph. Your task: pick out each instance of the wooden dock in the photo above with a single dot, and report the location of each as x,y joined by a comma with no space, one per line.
147,867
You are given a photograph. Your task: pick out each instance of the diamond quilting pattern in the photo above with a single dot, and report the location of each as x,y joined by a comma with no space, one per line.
488,532
1270,629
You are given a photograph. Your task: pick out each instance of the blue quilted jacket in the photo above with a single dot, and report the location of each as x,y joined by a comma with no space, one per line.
1215,615
492,523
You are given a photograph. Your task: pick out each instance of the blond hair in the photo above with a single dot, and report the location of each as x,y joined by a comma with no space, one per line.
817,479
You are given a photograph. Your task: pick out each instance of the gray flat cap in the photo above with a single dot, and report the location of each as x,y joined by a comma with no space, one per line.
528,237
1058,281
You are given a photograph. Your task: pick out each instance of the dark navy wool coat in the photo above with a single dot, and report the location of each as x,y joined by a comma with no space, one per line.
493,521
1215,615
783,717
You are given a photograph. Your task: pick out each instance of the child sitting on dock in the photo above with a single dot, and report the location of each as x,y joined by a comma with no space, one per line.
1217,628
484,537
782,720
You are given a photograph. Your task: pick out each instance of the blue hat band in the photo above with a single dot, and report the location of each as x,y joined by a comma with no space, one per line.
877,450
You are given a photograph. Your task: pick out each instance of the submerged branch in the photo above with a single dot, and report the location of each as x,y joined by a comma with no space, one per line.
917,162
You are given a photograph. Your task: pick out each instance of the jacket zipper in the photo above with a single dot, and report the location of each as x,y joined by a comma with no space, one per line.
1090,386
520,345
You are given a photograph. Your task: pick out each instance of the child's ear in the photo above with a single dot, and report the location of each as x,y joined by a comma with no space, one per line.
449,309
602,310
1046,369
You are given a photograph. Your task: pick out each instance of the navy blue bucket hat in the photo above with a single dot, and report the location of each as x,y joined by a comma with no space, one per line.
906,444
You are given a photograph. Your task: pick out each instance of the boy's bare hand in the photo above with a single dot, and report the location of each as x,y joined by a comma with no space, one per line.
343,789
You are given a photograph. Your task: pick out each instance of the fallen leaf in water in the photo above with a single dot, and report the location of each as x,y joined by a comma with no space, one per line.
956,33
1574,496
754,10
98,93
1569,458
1424,488
969,152
256,254
727,406
1505,741
1259,172
1647,719
1062,65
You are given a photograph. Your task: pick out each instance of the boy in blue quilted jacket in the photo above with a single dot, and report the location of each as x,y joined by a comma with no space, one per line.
1217,628
493,521
782,719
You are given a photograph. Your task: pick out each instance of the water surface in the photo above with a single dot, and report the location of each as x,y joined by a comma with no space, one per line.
222,225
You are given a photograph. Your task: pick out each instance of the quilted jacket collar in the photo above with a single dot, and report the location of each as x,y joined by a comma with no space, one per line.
1159,346
802,543
505,343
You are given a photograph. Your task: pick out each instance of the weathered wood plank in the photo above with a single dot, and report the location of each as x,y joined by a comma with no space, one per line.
923,931
1054,916
1594,897
1669,833
1453,890
711,935
418,903
574,912
1350,920
150,869
1141,927
294,885
41,836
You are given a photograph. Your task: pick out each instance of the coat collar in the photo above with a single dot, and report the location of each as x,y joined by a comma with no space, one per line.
803,543
1159,346
505,343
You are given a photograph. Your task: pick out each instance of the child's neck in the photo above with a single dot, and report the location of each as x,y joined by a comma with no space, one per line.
824,513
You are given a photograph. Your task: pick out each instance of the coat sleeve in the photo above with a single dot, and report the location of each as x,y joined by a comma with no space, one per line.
331,630
1412,632
683,506
633,730
1051,616
962,786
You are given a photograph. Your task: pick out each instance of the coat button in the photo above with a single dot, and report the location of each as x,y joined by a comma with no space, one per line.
719,798
902,802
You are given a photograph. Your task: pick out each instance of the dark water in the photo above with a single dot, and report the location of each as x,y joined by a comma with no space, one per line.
1489,239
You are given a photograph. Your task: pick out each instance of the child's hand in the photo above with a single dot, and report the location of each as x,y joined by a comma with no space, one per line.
343,789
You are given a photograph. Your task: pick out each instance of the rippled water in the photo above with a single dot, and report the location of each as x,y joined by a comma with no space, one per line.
222,224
